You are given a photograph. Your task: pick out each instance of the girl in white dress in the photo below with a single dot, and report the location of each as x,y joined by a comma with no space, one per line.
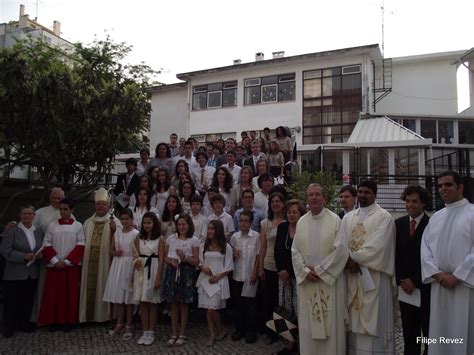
149,256
145,182
118,288
182,257
215,262
172,208
143,196
163,189
224,181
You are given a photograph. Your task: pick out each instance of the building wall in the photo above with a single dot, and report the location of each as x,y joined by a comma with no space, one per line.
169,114
247,117
424,87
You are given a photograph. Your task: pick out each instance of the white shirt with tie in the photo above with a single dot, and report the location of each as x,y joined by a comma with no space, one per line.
203,178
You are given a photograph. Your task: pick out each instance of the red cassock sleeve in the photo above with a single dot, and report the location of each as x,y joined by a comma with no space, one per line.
75,256
49,253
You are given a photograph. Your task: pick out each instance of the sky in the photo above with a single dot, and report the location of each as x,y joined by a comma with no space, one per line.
185,35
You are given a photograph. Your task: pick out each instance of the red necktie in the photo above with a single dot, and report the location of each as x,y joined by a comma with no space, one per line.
412,227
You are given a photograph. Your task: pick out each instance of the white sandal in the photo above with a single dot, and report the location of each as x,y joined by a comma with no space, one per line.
116,330
181,340
172,340
128,334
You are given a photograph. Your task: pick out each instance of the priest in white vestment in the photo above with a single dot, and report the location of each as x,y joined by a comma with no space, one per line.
369,232
319,259
96,260
43,217
447,262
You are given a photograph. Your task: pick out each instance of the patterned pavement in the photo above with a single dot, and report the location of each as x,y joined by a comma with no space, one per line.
93,339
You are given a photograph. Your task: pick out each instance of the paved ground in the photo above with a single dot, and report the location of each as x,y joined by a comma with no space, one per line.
93,339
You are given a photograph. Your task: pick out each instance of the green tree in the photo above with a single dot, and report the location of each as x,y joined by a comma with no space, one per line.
300,182
68,113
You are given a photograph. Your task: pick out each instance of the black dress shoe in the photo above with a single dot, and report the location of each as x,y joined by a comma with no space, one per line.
250,339
287,351
7,333
27,328
270,339
236,336
53,328
67,328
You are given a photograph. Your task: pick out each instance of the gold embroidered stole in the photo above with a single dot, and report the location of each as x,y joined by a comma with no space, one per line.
93,269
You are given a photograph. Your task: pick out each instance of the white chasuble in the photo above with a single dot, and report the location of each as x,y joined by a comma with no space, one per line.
321,306
370,236
448,246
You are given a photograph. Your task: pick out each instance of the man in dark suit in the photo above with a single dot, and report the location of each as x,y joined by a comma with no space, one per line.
255,157
230,145
408,267
127,183
348,200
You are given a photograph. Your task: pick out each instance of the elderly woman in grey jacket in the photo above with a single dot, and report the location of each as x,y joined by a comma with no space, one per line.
19,246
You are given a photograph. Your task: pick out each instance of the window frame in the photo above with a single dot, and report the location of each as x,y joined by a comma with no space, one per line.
341,103
226,86
258,81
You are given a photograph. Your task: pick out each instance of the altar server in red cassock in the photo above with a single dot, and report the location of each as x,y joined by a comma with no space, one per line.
63,247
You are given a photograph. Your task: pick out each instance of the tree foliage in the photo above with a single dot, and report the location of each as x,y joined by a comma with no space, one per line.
300,182
69,113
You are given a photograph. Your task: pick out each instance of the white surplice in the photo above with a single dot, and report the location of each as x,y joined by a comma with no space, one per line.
321,305
370,235
448,246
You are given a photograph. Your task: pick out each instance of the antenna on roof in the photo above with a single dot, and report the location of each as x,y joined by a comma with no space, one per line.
383,34
36,16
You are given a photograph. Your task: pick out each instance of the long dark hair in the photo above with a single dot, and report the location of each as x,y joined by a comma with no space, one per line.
181,185
187,218
166,185
186,167
271,214
166,212
156,231
149,181
219,236
126,211
228,181
148,198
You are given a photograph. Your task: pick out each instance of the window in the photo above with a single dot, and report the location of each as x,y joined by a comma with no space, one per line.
332,101
215,95
428,129
445,132
410,124
268,89
406,161
466,132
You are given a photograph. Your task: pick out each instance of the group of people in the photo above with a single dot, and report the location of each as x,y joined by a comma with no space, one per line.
229,242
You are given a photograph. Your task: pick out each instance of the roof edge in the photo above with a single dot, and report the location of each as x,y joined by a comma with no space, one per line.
184,76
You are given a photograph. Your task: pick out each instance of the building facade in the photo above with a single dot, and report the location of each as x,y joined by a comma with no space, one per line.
321,96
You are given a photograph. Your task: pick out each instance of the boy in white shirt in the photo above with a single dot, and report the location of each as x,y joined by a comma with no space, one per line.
198,218
217,203
245,245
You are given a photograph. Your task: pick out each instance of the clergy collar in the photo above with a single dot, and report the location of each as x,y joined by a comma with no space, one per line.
101,219
66,221
317,216
459,203
368,209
